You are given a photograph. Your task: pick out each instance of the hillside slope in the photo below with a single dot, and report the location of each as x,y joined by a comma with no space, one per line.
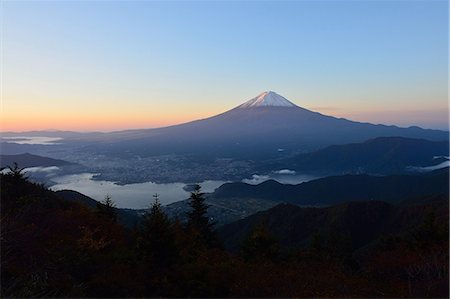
30,160
383,155
358,222
258,129
337,189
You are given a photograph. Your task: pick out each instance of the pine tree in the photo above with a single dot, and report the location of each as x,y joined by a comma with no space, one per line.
15,172
198,220
157,242
107,209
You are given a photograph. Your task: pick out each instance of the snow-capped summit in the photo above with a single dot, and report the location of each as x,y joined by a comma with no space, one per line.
266,127
267,98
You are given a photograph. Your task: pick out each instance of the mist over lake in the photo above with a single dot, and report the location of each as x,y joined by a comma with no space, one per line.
283,177
140,195
133,196
36,140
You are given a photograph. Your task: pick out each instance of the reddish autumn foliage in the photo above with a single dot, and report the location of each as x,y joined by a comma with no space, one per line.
55,248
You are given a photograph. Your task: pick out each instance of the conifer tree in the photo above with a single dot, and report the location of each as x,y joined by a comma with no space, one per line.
157,242
15,172
198,220
107,209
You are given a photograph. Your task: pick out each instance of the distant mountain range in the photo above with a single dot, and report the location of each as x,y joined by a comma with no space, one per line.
234,201
357,223
265,134
30,160
266,126
337,189
383,155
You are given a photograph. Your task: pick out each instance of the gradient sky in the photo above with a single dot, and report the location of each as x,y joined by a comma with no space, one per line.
111,65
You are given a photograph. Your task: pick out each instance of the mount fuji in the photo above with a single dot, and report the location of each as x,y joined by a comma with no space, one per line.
267,99
266,126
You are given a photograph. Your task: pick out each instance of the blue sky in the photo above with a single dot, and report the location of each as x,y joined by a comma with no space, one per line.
126,64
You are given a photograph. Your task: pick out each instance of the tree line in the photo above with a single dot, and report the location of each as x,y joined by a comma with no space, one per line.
55,248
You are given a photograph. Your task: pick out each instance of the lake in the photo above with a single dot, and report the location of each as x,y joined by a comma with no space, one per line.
140,195
132,196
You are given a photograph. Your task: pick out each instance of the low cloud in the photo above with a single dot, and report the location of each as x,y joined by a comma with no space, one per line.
285,171
256,179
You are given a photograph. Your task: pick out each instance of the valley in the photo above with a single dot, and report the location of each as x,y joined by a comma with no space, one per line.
266,138
224,149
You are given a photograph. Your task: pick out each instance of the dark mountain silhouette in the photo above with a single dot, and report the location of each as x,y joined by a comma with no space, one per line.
384,155
75,196
359,223
234,201
30,160
127,217
337,189
57,248
262,127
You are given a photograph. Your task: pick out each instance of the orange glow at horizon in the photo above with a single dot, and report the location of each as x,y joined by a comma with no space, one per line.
121,121
92,122
69,65
112,112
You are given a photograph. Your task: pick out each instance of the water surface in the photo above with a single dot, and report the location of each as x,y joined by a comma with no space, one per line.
133,196
43,140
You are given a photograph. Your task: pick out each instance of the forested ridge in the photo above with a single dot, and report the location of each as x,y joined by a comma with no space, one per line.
51,247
